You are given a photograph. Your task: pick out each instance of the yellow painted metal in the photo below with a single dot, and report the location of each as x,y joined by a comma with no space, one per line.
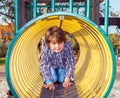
93,69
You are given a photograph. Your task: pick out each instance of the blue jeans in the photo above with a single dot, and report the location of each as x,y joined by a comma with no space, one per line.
58,75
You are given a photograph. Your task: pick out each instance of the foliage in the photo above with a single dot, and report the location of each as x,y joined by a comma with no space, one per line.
115,40
3,47
2,61
7,31
73,42
6,16
7,10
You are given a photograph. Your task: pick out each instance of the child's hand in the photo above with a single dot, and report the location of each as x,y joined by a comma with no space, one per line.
50,86
67,82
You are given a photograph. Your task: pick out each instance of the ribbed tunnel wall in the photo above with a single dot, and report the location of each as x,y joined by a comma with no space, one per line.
95,69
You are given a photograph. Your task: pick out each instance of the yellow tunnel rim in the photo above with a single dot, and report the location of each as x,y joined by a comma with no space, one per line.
28,25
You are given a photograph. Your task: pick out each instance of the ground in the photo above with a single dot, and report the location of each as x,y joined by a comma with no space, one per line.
115,93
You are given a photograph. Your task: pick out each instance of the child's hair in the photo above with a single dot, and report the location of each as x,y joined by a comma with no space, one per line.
55,35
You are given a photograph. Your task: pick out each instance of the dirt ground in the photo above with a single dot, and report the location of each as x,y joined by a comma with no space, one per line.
115,92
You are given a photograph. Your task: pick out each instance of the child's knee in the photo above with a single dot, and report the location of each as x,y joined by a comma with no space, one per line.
55,79
61,79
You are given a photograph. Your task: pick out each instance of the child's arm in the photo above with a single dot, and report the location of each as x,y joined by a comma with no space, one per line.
70,62
69,66
45,64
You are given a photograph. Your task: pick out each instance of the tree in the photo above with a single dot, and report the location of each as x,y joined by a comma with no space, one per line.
6,16
7,11
115,42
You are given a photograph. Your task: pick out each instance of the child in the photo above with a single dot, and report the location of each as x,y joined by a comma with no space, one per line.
57,59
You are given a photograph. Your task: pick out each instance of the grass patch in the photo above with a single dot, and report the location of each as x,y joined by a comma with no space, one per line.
2,61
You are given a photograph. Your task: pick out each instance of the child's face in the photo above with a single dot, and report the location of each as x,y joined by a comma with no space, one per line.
57,47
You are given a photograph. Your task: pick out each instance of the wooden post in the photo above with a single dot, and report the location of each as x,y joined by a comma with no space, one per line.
24,12
95,11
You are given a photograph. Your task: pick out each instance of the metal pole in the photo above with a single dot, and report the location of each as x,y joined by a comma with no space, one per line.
34,8
106,17
16,15
71,5
53,5
88,4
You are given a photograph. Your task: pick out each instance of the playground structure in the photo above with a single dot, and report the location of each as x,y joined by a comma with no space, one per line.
96,66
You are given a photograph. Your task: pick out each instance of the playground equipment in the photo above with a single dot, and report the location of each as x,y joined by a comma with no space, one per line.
95,69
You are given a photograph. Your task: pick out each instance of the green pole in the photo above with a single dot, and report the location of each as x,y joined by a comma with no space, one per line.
88,8
71,5
53,5
34,8
106,17
16,15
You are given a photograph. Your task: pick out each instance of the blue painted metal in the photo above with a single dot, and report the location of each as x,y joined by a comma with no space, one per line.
71,5
106,17
34,8
54,14
16,16
88,5
19,32
53,5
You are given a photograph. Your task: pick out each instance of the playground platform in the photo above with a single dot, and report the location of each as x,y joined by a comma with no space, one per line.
4,87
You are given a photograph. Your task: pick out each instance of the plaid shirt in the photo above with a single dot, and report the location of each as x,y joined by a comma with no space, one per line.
64,59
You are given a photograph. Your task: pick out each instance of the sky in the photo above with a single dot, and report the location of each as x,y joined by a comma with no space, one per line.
115,6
